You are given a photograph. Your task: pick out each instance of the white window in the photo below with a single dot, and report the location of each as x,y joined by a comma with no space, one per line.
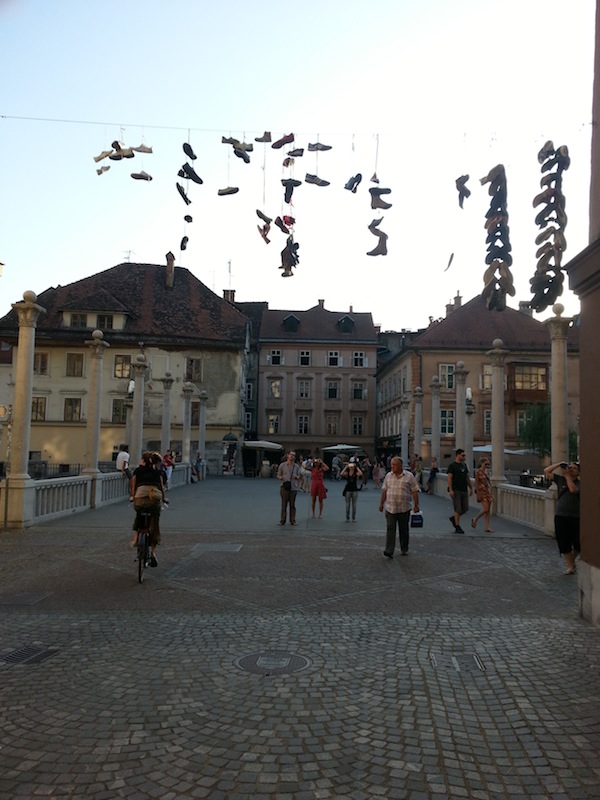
273,425
447,376
74,365
275,357
333,390
38,409
194,370
359,359
304,389
359,391
332,425
530,377
275,387
357,426
104,322
122,367
446,421
303,423
485,379
40,363
304,358
119,412
72,409
333,358
487,422
78,321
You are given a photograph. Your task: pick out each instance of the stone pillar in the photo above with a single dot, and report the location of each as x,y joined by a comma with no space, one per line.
128,421
418,441
404,406
20,496
188,391
470,410
165,430
435,418
498,355
27,312
202,430
460,375
96,346
559,402
140,366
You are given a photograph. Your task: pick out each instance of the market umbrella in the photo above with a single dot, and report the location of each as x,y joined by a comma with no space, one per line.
263,445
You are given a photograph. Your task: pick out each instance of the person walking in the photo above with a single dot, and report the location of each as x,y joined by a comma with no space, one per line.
378,473
483,493
317,486
351,473
460,488
366,472
122,461
566,518
433,471
289,475
398,492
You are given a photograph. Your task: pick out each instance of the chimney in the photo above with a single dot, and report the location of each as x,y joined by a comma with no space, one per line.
229,295
525,308
449,309
350,310
457,300
321,303
170,276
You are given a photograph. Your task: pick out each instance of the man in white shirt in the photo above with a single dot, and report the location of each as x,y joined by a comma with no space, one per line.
399,492
122,462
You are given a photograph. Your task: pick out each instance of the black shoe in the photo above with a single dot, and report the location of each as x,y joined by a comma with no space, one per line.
153,562
187,149
404,553
452,522
458,529
388,555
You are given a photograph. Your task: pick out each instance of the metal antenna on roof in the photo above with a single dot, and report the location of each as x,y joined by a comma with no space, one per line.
229,270
128,254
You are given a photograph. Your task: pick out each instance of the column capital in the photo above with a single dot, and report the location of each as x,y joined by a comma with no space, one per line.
460,372
140,365
558,326
418,394
167,381
96,344
470,407
28,310
187,389
498,353
405,400
435,385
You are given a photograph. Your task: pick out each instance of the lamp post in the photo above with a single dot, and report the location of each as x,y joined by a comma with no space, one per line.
460,374
470,410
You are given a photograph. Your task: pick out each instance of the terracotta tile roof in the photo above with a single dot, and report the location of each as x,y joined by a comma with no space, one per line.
188,314
317,324
473,327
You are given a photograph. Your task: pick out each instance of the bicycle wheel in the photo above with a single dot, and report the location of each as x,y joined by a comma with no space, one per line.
142,555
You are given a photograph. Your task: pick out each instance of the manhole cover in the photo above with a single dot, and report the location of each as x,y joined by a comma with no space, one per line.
272,662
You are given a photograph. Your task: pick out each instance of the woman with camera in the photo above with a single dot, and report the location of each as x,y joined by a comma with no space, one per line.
566,518
317,485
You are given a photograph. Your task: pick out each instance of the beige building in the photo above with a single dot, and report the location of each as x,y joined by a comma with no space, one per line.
317,378
165,312
466,334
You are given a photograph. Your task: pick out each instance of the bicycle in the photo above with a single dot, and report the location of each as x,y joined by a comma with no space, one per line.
143,546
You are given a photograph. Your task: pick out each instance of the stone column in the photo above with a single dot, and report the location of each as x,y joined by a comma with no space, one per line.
435,418
140,366
460,375
128,422
188,391
418,442
165,430
202,430
96,346
27,312
20,498
559,402
498,355
470,410
404,406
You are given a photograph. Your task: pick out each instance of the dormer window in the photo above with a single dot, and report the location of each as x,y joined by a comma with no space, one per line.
346,324
291,323
104,322
78,321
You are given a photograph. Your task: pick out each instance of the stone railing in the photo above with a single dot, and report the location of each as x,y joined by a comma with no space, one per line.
44,500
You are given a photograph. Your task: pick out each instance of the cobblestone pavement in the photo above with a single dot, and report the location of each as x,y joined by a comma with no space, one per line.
292,663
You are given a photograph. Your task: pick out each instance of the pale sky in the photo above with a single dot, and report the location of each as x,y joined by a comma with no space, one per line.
420,91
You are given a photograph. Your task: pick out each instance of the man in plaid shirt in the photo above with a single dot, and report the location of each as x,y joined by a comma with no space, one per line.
399,492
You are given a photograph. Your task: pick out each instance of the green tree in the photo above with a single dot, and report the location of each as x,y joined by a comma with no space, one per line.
535,433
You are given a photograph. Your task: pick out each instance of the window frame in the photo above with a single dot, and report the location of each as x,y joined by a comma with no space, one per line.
303,425
194,369
304,387
126,360
119,418
332,390
304,358
44,357
38,404
105,322
359,358
446,375
275,382
77,319
72,360
72,403
358,423
447,416
273,423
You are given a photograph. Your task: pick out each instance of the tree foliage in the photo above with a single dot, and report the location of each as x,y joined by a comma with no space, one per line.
536,431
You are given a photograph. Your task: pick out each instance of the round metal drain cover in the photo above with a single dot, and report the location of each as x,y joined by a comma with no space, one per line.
272,662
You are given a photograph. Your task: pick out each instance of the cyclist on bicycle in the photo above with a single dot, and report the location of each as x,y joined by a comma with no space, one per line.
148,491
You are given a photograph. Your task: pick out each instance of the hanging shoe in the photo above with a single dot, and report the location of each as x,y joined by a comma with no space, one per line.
230,140
116,155
289,220
266,137
184,196
142,148
104,154
247,146
127,152
288,162
287,273
318,147
316,180
374,226
381,249
191,173
181,174
187,149
353,183
283,228
117,145
284,140
188,218
264,217
141,176
228,190
264,232
102,170
183,243
242,154
547,151
374,179
299,151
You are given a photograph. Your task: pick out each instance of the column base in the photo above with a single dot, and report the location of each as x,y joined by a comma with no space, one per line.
588,580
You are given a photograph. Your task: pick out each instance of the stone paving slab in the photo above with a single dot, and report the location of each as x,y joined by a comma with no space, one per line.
292,664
